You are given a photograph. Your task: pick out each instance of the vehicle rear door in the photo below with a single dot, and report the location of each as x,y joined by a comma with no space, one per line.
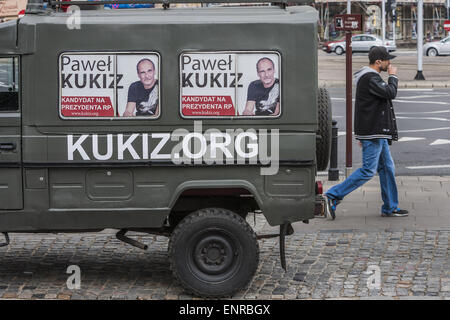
10,134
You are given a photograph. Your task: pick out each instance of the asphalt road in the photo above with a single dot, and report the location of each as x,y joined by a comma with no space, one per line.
423,119
332,66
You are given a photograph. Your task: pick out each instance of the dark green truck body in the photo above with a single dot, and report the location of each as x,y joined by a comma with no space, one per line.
42,190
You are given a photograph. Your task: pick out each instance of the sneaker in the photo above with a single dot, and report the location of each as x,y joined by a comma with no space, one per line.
396,213
331,205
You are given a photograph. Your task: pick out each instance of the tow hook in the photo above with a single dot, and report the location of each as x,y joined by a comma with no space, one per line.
285,229
6,240
122,237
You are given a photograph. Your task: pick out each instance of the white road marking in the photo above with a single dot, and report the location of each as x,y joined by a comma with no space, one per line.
342,133
340,99
405,52
407,139
420,118
420,90
427,96
422,102
406,101
430,167
440,141
424,112
425,130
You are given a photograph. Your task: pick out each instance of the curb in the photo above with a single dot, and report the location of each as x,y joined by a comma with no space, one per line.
420,84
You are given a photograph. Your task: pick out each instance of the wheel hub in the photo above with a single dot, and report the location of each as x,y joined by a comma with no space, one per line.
214,254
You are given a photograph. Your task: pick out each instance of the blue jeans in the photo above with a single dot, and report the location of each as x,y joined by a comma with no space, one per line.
376,158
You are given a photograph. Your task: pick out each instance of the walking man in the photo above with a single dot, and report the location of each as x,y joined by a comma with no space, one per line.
375,128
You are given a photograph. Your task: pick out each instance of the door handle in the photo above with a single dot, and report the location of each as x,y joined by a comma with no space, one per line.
11,146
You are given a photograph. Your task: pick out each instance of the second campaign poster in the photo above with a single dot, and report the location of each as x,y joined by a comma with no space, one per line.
230,84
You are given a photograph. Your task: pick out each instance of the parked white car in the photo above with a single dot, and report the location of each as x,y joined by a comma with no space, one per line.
437,48
361,43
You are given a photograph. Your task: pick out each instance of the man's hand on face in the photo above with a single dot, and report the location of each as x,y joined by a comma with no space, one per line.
392,70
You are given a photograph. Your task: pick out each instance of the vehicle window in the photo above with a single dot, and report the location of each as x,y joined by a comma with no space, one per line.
447,40
9,84
357,38
370,38
109,85
230,84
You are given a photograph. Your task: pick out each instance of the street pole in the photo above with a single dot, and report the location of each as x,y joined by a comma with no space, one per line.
448,9
348,98
393,30
448,12
383,21
419,75
394,21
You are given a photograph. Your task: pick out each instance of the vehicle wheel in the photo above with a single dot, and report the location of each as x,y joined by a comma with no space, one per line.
213,252
339,50
323,144
432,52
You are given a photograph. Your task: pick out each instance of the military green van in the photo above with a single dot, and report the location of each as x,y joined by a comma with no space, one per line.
170,121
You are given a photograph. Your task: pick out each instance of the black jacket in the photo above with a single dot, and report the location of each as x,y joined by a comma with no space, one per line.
374,112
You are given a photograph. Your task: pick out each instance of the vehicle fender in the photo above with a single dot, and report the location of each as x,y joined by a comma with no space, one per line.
223,184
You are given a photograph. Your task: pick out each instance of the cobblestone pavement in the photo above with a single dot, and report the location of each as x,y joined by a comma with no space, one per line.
321,265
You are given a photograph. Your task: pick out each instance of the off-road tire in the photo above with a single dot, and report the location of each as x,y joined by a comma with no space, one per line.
323,145
213,253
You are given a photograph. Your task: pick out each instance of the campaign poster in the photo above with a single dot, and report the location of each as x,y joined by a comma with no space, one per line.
139,95
109,85
230,84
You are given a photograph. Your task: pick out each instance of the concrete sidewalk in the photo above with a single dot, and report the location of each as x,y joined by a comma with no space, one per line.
427,198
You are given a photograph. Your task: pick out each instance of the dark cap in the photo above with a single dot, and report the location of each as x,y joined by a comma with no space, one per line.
379,53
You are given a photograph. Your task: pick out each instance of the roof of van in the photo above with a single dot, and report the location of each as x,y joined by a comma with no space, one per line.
151,16
217,14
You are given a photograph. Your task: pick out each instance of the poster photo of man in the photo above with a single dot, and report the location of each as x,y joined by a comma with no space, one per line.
260,93
263,95
140,94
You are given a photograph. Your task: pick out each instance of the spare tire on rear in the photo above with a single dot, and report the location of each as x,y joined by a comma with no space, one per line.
323,142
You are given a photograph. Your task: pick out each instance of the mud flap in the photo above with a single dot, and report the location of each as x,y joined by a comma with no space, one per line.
285,229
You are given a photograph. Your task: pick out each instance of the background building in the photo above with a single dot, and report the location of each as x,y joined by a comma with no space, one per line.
435,13
9,9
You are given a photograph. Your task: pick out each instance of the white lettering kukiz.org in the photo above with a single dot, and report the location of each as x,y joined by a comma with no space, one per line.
212,147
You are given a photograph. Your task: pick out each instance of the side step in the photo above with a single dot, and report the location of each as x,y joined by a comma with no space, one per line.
6,243
122,237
